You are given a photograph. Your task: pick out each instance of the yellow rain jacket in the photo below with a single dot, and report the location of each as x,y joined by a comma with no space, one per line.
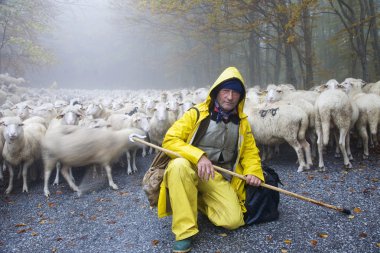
180,136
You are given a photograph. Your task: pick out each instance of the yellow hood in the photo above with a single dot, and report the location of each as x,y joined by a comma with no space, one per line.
227,74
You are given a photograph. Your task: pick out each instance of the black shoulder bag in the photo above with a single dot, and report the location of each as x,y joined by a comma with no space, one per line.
262,203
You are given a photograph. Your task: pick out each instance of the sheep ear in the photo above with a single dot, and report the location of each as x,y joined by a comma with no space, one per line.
60,116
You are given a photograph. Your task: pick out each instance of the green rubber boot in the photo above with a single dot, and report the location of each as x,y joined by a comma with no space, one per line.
182,245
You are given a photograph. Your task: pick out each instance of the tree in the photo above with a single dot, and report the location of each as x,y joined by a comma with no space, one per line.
21,21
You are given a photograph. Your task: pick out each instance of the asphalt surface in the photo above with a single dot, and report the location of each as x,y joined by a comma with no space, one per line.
104,220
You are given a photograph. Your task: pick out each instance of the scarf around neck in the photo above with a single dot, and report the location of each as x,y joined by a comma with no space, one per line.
222,115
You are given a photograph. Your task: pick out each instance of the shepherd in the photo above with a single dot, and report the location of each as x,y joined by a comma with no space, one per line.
214,132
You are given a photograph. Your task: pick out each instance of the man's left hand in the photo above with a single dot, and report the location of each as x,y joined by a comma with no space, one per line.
252,180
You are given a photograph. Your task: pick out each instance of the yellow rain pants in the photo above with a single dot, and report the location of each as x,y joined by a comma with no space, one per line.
215,198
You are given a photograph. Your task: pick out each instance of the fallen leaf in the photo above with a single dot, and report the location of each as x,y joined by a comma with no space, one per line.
284,250
20,225
363,235
43,221
313,243
351,217
93,217
111,222
21,231
123,193
378,244
223,234
8,200
323,235
53,250
326,177
34,233
269,237
39,205
103,200
310,177
58,192
155,242
288,241
51,204
58,239
357,210
375,180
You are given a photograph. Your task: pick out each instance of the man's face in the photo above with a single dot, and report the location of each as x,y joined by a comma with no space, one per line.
228,99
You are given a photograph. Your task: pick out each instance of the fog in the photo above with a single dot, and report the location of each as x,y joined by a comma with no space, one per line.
94,49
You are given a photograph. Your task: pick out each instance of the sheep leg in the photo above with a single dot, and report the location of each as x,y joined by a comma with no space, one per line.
11,175
19,173
301,159
313,140
348,147
49,166
71,174
134,160
129,169
24,177
143,152
306,147
363,134
56,180
342,144
110,180
1,173
66,175
337,146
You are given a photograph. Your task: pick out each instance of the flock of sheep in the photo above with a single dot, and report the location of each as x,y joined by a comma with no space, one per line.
63,129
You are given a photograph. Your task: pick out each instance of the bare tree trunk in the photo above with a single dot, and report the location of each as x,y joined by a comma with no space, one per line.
355,31
375,38
307,36
255,59
277,66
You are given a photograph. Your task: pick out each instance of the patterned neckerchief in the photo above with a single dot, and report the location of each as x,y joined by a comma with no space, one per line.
224,116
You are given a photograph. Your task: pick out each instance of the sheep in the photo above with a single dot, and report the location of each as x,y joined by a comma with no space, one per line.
74,146
280,122
97,110
369,111
200,95
21,147
333,107
159,124
278,93
70,115
48,111
138,120
372,88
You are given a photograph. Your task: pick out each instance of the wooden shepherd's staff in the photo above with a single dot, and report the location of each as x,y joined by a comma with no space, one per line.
133,138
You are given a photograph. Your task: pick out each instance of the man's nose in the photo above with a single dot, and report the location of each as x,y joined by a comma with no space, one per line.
229,94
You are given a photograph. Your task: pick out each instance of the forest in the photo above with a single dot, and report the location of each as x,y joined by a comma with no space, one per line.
301,42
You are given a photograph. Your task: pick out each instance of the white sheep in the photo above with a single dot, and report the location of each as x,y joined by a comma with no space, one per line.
97,110
74,146
21,147
369,111
281,93
279,122
333,109
159,124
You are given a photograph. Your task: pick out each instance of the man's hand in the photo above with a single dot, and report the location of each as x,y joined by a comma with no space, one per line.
205,168
252,180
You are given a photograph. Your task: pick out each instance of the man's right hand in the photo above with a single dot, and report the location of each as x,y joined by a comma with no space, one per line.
205,168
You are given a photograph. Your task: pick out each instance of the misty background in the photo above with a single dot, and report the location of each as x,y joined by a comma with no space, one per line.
137,44
94,50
